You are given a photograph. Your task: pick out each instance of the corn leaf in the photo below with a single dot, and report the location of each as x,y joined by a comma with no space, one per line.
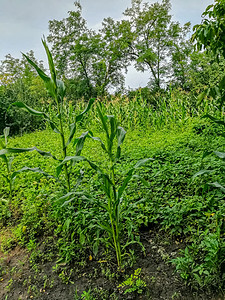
121,133
217,185
214,119
49,83
29,109
22,150
35,170
103,120
202,172
80,116
41,73
99,140
69,159
220,154
80,142
61,90
125,183
50,62
142,162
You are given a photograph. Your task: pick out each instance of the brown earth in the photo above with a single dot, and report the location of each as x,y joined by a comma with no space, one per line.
22,280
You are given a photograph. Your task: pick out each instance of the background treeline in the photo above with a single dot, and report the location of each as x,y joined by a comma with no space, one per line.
93,63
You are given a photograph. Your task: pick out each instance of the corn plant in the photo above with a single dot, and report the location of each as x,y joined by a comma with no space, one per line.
115,136
56,89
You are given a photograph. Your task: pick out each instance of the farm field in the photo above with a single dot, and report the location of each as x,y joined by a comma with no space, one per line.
171,228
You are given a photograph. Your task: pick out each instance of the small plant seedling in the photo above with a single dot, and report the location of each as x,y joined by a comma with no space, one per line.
133,284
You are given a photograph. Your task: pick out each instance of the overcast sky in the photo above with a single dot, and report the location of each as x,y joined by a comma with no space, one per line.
24,22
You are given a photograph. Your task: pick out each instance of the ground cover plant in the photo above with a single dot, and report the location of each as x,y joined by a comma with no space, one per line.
173,202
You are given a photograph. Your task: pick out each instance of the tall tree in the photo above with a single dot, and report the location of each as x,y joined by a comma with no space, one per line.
153,34
210,35
93,58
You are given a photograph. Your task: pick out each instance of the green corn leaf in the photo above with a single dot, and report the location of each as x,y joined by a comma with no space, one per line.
80,142
214,119
41,73
49,83
35,170
68,201
217,185
66,196
50,62
121,133
202,172
22,150
6,134
3,156
73,128
202,96
112,122
125,183
219,154
54,128
10,160
206,153
106,227
142,162
67,159
1,142
99,140
103,120
61,89
106,185
144,182
6,178
80,116
29,109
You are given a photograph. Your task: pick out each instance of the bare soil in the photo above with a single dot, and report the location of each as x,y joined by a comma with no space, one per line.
20,279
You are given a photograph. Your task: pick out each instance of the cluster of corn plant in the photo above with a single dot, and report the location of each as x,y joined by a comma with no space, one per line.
174,108
113,191
56,89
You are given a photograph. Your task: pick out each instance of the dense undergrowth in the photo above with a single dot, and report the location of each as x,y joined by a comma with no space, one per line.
105,171
186,208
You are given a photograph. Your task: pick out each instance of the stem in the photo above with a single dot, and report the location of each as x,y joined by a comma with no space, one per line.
63,144
9,178
116,242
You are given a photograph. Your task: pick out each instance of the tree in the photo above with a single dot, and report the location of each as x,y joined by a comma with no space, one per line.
83,55
18,82
153,34
210,35
181,51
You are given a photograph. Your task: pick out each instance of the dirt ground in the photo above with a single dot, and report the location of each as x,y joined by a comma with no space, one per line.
20,279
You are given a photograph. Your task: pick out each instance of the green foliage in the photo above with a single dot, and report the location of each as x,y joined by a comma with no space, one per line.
200,262
133,284
153,39
19,83
210,33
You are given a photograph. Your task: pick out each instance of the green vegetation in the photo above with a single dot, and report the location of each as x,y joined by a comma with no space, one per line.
140,183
